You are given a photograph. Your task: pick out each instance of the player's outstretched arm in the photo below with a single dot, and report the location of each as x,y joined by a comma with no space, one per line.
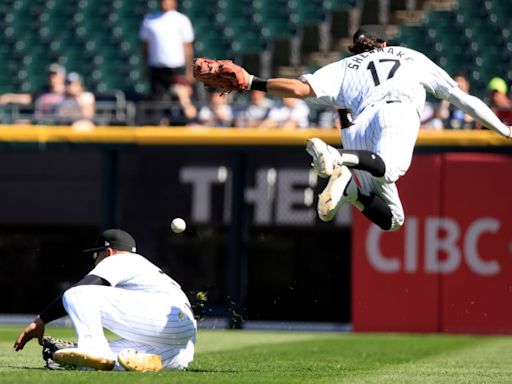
295,88
477,109
34,330
226,76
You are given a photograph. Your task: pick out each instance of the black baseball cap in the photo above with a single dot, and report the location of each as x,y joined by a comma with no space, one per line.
115,239
371,30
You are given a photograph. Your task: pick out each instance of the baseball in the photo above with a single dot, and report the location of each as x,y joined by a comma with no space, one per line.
178,225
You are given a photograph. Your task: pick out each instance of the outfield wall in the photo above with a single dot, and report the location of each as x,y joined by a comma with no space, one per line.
253,240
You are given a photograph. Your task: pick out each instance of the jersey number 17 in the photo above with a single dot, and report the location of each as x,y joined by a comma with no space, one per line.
371,67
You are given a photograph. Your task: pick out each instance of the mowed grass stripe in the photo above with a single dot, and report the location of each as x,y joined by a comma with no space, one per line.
485,360
288,357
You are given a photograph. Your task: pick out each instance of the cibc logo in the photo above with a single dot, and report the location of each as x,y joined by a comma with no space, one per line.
445,247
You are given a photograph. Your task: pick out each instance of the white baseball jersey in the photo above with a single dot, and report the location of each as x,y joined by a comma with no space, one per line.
165,34
144,306
392,73
135,272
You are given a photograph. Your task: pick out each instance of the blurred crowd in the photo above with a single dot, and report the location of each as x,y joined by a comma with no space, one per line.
64,101
167,49
446,116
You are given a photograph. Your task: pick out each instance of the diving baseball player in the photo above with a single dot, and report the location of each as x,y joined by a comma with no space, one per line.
131,297
384,87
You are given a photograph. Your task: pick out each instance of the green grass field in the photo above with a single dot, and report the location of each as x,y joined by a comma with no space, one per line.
294,357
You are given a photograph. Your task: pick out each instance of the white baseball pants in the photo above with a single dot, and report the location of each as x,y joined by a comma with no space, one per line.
147,322
390,130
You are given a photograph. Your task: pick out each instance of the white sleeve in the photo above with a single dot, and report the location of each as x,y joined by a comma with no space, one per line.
434,79
187,31
477,109
326,83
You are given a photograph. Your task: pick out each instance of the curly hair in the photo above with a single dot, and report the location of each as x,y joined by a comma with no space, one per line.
365,44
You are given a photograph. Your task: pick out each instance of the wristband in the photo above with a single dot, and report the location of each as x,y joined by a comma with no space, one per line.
257,84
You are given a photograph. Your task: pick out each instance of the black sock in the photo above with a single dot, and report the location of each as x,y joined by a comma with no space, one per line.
376,210
368,161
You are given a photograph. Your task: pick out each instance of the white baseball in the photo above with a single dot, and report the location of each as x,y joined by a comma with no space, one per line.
178,225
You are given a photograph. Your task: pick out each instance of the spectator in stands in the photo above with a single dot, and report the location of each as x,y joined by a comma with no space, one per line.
184,92
78,106
452,117
499,101
167,47
253,114
328,118
218,112
429,117
47,102
291,114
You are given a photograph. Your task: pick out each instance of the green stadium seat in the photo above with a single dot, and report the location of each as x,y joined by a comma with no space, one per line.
273,17
415,37
277,29
248,43
212,46
197,9
502,10
471,11
307,12
339,5
235,9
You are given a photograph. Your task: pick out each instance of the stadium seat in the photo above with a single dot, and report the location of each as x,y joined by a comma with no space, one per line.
502,9
472,11
307,12
73,32
273,18
212,46
339,5
199,9
415,37
249,42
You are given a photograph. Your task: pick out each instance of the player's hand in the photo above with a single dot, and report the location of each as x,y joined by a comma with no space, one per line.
34,330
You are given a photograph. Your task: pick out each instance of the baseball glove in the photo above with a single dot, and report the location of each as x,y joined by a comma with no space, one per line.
221,75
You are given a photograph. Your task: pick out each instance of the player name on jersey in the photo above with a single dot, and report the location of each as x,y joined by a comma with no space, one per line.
358,59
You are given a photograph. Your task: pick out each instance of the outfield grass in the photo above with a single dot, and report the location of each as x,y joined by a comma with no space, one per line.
245,357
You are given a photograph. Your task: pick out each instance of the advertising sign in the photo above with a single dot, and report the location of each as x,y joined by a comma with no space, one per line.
449,268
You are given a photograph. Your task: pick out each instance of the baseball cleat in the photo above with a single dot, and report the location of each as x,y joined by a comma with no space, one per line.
50,346
325,157
340,189
132,360
76,358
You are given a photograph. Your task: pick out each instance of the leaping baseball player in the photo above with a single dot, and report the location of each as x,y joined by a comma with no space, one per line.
131,297
385,88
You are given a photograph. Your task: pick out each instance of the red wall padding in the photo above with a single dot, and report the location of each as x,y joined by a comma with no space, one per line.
449,269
